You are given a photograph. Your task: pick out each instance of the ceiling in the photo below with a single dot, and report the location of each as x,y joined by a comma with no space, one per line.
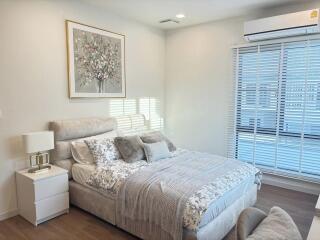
196,11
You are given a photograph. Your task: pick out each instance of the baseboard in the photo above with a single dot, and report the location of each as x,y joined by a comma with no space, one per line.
291,183
8,214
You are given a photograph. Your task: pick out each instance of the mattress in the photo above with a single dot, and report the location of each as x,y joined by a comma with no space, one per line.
225,201
80,174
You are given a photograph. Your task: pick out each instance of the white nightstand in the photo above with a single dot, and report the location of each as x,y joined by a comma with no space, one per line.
42,196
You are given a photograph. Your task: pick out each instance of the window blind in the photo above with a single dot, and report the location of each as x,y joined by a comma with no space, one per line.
276,122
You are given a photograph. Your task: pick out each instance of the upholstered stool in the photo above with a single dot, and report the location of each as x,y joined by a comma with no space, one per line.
254,224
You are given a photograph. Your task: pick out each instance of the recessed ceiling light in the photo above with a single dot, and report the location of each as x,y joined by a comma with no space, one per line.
180,15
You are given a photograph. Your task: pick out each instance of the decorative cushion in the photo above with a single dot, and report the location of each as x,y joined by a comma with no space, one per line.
156,151
130,147
80,151
103,150
278,225
157,136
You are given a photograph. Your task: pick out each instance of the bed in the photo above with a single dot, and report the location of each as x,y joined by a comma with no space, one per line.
214,223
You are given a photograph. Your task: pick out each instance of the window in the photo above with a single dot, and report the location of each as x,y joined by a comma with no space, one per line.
277,115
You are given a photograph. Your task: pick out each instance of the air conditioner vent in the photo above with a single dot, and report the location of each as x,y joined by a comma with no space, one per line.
169,20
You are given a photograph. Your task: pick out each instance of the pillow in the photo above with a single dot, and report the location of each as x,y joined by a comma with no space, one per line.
156,151
130,147
103,150
157,136
80,151
278,225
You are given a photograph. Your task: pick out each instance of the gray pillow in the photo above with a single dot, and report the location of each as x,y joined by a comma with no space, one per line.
157,136
278,225
156,151
130,148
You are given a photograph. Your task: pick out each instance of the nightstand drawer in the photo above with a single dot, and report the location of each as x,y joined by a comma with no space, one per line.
46,188
51,206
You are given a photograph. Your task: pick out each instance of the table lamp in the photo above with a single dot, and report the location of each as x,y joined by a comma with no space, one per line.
36,143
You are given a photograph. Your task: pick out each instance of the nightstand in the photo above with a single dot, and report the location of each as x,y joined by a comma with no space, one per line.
42,196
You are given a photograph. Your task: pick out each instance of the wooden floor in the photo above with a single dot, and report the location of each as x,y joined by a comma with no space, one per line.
78,225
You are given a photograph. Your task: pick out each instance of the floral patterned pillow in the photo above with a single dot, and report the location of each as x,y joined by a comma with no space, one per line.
103,150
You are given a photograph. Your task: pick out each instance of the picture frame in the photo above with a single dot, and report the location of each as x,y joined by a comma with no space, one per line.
96,62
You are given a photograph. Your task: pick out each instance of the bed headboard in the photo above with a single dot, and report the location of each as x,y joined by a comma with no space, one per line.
66,131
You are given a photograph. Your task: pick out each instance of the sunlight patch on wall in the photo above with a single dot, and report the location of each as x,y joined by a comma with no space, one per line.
148,106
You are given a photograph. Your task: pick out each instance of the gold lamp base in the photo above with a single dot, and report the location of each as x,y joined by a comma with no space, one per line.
39,163
40,169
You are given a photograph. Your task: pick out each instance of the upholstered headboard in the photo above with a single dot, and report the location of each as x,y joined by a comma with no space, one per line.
66,131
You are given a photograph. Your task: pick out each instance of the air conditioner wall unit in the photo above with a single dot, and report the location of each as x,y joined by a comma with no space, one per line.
293,24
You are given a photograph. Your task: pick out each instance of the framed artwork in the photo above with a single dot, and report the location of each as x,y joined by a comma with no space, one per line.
96,62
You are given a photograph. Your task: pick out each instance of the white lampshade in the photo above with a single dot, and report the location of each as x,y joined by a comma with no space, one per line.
38,141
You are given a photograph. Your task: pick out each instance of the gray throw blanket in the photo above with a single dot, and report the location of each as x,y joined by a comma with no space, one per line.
151,202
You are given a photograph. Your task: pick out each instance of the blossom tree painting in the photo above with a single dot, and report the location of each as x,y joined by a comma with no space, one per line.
97,62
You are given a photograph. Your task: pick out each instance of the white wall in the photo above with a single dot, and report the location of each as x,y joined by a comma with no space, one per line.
199,79
33,73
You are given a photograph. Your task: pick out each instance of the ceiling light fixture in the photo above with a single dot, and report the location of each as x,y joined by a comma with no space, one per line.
180,15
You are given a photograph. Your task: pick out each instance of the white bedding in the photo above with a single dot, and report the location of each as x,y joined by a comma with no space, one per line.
82,172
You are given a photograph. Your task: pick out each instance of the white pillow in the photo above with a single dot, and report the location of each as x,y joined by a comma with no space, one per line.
80,151
156,151
103,150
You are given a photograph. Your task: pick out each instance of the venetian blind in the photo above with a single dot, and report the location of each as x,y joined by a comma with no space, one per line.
277,107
